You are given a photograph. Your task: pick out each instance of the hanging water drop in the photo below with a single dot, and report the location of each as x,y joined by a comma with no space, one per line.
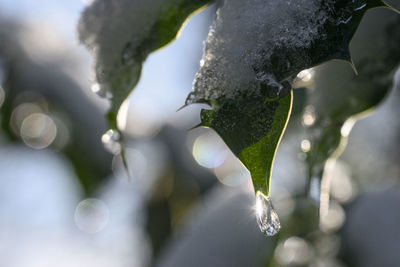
267,218
111,141
101,90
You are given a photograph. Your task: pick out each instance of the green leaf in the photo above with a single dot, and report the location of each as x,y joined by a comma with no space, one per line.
252,128
338,96
122,33
252,54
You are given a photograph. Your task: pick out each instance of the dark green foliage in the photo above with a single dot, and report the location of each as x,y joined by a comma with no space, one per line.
338,94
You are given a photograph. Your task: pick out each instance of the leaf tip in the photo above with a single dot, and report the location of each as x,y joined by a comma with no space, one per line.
182,107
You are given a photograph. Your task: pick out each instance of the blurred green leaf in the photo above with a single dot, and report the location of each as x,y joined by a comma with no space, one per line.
122,33
338,96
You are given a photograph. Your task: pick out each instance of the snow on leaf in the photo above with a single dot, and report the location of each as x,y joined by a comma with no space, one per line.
254,50
261,45
121,33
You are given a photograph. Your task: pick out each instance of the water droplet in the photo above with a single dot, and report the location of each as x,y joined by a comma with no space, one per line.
101,90
111,141
267,218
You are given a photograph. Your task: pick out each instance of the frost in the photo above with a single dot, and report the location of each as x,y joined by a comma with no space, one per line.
257,47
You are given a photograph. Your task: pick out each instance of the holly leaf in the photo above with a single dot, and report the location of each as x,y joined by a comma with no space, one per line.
251,127
121,34
253,52
338,96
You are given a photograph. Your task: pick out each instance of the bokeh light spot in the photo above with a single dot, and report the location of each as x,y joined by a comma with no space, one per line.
334,219
209,150
91,215
294,251
38,130
309,116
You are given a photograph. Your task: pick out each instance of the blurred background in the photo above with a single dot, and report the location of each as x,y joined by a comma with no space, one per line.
65,201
